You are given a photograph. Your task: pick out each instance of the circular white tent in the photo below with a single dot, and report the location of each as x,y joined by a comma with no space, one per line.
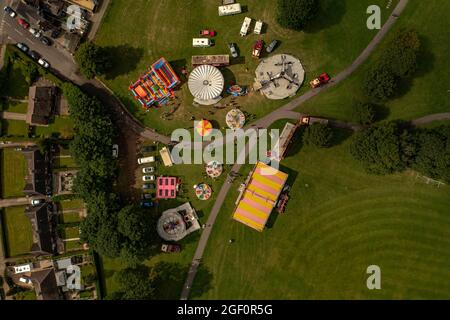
206,84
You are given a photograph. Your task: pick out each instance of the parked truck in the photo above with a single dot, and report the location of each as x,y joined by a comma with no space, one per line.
257,48
324,78
308,120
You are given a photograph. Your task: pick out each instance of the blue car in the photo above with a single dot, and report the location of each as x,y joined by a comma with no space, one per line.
146,204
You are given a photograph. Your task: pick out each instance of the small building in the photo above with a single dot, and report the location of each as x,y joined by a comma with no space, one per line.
41,223
230,9
41,105
166,187
166,157
35,177
259,196
89,5
45,285
217,60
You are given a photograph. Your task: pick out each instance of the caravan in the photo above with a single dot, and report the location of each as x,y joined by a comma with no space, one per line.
245,26
230,9
258,27
201,43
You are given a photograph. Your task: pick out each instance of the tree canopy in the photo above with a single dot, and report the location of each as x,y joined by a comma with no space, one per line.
134,284
319,135
92,60
295,14
363,113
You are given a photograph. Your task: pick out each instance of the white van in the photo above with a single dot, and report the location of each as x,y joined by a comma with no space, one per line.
201,42
146,160
258,27
245,26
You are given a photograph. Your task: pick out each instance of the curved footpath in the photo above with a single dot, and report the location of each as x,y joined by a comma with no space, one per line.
270,118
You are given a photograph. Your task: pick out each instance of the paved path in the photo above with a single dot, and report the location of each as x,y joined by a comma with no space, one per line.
267,120
13,116
97,19
431,118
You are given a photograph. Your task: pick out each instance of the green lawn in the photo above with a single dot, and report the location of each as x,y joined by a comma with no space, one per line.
13,171
335,39
428,93
16,85
16,128
60,126
65,162
70,217
71,232
16,107
18,232
338,222
71,204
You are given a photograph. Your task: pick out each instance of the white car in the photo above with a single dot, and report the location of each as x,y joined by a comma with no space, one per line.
10,11
36,202
35,32
44,63
25,280
148,170
148,178
146,160
115,151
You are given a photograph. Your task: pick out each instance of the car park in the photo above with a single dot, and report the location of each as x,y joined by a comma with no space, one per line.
44,63
148,186
148,178
46,41
148,170
233,50
34,55
23,23
10,12
271,46
22,46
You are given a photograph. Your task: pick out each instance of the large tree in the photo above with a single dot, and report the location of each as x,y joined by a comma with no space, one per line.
363,113
318,135
379,83
134,284
383,149
92,60
295,14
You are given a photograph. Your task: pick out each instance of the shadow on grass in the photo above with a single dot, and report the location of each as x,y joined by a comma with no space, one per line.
330,13
124,59
340,136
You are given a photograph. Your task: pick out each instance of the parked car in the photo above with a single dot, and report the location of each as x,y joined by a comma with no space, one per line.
271,46
35,32
34,55
147,196
233,50
10,12
55,33
207,33
22,46
148,148
148,170
170,248
44,63
146,160
23,23
36,202
25,280
148,178
46,41
147,204
115,151
148,186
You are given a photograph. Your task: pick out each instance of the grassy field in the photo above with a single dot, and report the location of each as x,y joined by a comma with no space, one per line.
18,233
61,127
338,222
427,93
71,204
16,85
17,107
70,217
170,26
15,128
13,171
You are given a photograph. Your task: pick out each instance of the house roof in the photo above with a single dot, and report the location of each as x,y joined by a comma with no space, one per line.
45,285
35,177
40,223
41,101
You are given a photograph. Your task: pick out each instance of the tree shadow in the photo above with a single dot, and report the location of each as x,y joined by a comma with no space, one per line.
425,57
381,112
177,66
230,78
169,280
123,59
296,144
330,13
202,283
340,136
